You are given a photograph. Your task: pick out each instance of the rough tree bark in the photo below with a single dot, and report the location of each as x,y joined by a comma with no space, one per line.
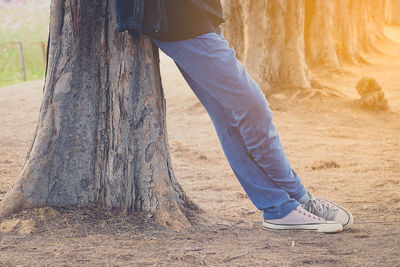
101,137
269,39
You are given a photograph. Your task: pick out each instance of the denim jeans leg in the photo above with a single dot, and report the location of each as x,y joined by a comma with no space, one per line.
274,202
242,119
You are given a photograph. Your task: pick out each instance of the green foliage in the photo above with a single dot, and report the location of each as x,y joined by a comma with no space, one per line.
26,22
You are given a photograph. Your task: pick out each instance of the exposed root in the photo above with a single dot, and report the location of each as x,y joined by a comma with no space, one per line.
15,201
170,216
27,192
318,93
172,219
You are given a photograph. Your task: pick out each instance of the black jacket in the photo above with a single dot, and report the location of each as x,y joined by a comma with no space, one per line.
169,20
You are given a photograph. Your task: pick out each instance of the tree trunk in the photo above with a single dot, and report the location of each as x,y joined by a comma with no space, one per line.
358,26
272,38
393,12
269,39
101,136
342,30
319,34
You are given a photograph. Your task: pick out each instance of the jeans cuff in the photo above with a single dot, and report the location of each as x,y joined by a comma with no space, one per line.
299,194
306,197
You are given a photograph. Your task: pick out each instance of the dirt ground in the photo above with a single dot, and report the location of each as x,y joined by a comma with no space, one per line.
343,153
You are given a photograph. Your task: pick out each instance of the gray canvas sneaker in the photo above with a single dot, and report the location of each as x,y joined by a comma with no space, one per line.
328,210
300,219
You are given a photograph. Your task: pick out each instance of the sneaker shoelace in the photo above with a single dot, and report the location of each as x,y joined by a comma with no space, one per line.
320,208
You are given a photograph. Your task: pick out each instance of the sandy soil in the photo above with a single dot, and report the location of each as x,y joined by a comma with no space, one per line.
348,155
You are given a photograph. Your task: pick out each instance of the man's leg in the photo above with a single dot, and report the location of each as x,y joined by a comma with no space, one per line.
211,68
212,64
265,195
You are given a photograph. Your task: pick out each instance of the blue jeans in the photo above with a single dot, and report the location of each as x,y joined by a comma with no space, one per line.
243,121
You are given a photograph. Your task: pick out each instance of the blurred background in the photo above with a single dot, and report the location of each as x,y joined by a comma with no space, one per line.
325,33
23,40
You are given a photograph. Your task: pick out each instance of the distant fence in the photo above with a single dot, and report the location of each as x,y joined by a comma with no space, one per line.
21,61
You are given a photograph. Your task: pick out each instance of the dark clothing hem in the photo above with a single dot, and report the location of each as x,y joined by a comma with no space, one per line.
185,19
196,31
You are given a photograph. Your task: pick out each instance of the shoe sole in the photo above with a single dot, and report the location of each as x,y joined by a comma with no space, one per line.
350,222
322,228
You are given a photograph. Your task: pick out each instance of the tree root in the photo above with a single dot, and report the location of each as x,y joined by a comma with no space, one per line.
170,216
318,92
19,198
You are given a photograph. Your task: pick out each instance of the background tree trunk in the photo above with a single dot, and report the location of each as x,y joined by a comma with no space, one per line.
101,137
358,26
269,39
342,30
392,12
272,38
319,34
